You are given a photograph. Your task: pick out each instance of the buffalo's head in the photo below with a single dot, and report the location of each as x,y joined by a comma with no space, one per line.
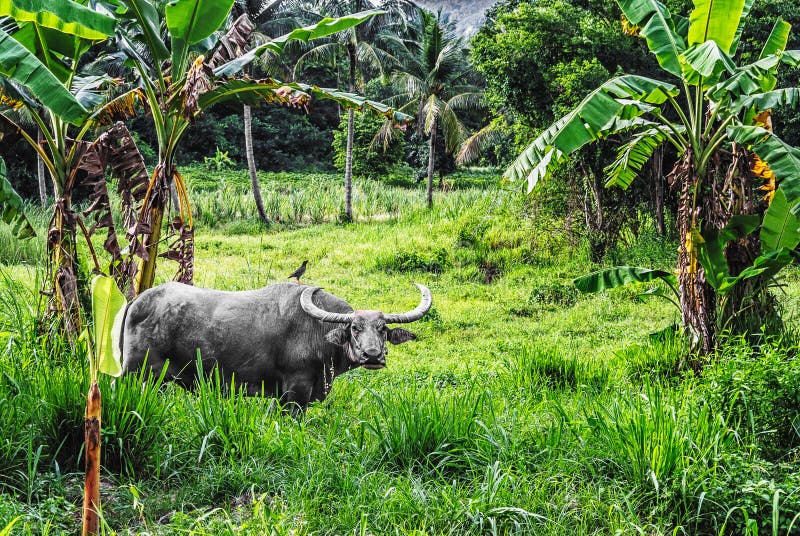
365,334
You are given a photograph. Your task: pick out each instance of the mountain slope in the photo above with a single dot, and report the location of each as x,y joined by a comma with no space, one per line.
466,14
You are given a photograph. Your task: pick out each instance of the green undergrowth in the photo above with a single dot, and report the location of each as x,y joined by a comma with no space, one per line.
523,408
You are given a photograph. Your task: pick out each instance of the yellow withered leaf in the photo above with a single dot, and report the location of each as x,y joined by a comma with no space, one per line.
628,28
692,242
764,120
761,170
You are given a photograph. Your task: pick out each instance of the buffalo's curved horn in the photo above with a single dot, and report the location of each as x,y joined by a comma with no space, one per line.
315,312
424,305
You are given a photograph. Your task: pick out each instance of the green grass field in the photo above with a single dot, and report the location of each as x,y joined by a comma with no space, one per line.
523,408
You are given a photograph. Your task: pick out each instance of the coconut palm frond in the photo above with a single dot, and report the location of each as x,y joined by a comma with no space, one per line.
322,53
432,110
453,129
475,144
467,101
384,136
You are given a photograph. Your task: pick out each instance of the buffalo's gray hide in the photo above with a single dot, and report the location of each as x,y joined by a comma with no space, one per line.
266,339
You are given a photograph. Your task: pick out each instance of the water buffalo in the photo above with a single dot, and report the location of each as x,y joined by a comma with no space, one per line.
284,340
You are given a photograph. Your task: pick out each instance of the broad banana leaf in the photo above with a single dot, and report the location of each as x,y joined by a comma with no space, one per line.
620,275
705,61
715,20
781,228
599,114
766,266
323,28
21,66
147,20
11,207
294,94
659,29
51,46
756,77
738,227
771,99
107,301
777,40
712,258
711,250
783,159
65,16
189,22
87,89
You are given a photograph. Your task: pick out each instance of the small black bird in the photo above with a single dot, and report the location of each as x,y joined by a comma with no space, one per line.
297,274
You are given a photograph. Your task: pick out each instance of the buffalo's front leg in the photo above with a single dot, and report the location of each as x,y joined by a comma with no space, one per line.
297,394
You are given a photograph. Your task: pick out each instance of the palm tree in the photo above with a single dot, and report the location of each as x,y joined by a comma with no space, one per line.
367,49
270,18
721,115
434,79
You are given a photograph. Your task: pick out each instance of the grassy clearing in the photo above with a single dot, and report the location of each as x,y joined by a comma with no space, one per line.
524,408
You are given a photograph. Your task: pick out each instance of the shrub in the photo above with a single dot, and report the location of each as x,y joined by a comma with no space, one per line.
219,162
429,428
420,259
760,387
656,360
753,496
535,363
666,446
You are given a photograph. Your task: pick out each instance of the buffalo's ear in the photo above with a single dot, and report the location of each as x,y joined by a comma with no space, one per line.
400,335
338,336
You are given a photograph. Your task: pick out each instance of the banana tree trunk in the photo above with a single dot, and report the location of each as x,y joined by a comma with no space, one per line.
348,166
63,259
431,164
725,190
697,297
748,308
154,214
40,171
251,164
697,300
91,489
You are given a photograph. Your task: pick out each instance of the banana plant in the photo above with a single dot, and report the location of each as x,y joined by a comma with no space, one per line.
184,72
708,109
41,46
108,307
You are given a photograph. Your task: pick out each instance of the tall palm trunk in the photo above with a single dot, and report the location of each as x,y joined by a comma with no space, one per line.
348,166
431,164
251,164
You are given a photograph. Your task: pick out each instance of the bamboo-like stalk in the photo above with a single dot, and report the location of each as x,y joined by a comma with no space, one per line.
91,489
